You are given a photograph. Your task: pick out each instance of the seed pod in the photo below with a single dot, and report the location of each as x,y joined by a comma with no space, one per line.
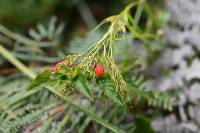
57,66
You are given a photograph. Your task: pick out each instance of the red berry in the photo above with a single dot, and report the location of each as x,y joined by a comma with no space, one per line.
99,70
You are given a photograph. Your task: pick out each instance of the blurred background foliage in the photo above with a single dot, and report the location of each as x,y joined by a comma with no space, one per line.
21,15
39,33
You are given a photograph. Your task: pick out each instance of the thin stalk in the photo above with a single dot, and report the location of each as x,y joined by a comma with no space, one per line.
4,52
138,15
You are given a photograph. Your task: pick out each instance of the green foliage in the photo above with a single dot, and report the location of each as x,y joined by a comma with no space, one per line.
108,90
42,48
14,12
101,52
81,84
143,125
38,110
42,78
14,111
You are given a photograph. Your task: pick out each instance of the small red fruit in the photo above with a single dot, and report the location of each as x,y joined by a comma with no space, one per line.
99,70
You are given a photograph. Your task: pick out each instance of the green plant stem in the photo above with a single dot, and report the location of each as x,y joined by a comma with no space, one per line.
6,54
138,15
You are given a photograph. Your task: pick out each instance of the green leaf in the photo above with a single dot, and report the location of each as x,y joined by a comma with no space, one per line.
81,84
106,86
112,94
41,79
143,125
127,65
